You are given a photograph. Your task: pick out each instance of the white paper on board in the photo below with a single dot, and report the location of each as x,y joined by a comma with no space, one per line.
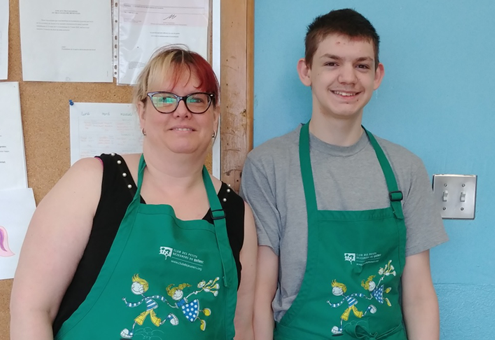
4,39
97,128
13,174
145,25
16,209
66,40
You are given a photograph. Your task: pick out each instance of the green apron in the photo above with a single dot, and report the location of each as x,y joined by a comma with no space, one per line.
351,287
163,278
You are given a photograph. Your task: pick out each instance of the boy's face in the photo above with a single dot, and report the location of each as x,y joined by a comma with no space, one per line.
342,76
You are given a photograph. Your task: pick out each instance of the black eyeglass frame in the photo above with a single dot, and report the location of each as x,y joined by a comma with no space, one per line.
210,97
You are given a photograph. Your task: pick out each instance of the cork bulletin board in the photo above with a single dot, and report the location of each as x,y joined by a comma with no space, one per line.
45,119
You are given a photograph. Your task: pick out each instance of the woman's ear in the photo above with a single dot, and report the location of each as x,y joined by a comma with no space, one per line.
140,111
216,119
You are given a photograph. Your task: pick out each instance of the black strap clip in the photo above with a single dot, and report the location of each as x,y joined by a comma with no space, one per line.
395,196
217,214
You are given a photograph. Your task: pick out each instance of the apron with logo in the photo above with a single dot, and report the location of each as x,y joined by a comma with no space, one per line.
351,286
163,278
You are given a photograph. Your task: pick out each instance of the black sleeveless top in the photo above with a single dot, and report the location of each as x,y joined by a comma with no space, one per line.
117,192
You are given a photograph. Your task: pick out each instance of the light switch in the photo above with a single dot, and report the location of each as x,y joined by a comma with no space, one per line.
456,194
445,195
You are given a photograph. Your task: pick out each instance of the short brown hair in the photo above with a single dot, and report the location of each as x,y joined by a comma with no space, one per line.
346,22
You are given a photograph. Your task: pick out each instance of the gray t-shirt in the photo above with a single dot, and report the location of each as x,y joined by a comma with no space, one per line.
346,178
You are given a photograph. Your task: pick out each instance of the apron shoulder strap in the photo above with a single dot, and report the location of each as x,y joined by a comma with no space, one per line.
306,170
395,195
218,216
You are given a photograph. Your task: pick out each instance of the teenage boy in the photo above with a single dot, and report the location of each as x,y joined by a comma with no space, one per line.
345,219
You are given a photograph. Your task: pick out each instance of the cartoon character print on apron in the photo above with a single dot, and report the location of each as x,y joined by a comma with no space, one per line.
163,278
351,286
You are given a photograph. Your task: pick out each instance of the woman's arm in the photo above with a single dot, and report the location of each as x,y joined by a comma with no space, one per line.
266,287
245,295
420,304
55,241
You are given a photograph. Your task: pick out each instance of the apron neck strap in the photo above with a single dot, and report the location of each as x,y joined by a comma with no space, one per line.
216,208
218,217
142,165
394,194
306,170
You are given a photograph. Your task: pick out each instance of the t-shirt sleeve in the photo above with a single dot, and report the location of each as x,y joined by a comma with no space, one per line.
424,223
257,189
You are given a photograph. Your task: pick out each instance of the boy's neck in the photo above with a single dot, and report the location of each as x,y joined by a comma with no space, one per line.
341,132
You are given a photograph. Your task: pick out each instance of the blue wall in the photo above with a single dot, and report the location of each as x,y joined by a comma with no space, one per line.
437,99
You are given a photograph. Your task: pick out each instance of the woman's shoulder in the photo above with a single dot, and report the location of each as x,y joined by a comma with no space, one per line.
85,175
125,163
132,159
129,158
226,193
84,165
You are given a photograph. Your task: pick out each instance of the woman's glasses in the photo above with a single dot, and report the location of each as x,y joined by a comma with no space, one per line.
167,102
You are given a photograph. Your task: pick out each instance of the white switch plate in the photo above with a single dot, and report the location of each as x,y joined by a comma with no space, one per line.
451,190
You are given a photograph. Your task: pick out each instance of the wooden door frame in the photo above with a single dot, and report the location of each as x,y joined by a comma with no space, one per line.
237,82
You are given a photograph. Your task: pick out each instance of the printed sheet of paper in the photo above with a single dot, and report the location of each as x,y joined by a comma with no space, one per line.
4,39
66,40
13,173
145,25
16,209
97,128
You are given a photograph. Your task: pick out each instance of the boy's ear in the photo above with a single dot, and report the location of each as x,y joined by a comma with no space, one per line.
304,71
379,73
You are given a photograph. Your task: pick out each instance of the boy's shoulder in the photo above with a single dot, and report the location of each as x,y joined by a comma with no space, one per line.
399,155
276,147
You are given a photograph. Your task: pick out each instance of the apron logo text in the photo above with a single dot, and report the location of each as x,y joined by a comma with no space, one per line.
182,258
362,259
166,251
351,257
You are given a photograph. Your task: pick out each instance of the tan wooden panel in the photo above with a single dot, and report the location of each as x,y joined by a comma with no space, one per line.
236,78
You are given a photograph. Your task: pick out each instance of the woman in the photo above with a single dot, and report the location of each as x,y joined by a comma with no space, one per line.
143,246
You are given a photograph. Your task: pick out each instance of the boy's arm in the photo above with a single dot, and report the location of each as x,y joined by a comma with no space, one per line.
266,287
258,189
420,303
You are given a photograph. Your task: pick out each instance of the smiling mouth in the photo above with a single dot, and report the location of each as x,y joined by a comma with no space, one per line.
182,129
345,94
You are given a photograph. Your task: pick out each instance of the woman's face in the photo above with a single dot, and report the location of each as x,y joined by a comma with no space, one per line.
180,131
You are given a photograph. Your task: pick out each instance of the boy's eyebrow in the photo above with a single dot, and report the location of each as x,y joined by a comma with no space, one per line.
335,57
365,59
331,56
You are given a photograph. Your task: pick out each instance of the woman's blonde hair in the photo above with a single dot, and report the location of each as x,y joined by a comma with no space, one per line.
172,61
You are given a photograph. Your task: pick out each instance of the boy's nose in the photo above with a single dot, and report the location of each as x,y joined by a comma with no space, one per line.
347,74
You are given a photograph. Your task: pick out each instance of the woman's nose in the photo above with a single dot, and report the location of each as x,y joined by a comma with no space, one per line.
182,110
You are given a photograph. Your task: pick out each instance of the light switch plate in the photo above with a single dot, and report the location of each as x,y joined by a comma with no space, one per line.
456,194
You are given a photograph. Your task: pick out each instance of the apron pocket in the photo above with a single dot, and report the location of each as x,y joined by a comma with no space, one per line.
360,330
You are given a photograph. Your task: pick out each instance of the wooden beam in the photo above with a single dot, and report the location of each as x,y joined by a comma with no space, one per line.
236,80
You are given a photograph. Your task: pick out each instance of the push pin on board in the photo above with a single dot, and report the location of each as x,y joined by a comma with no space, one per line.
71,102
